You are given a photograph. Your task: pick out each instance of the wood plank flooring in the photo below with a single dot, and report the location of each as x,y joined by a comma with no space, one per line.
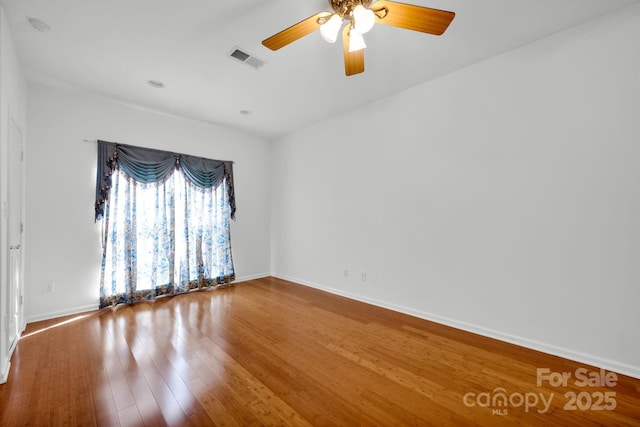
270,352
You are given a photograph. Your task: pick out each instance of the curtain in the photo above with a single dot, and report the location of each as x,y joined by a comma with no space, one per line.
149,165
165,222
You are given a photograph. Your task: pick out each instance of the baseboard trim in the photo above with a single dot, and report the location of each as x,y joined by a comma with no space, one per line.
588,359
251,277
60,313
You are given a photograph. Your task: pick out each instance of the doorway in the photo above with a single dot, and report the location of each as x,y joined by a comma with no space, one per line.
15,228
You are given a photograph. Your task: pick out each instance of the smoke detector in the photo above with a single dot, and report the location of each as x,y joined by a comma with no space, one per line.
38,25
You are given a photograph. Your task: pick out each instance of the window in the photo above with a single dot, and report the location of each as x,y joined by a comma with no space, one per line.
165,223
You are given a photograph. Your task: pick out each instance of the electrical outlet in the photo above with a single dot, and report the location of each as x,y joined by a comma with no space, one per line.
346,274
363,276
51,286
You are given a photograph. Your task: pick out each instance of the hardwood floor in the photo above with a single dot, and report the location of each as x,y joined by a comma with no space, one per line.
269,352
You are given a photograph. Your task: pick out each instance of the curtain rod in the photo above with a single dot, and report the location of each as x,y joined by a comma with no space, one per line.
95,140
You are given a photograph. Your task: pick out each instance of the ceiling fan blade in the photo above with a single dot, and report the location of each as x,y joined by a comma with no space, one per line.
353,61
295,31
412,17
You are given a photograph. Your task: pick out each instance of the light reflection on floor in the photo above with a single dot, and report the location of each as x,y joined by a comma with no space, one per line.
55,325
153,353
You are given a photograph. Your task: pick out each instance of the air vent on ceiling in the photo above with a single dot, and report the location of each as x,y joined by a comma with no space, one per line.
246,58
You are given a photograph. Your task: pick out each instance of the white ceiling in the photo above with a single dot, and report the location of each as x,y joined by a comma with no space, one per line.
113,47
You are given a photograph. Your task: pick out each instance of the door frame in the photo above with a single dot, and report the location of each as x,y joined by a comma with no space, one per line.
14,130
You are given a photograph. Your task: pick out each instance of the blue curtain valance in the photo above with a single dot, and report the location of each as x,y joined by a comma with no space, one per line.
148,165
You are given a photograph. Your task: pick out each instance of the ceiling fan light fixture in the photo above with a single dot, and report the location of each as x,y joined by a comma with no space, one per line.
360,17
356,41
364,18
329,30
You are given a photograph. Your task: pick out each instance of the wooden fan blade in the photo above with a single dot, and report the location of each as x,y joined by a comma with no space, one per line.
295,32
412,17
353,61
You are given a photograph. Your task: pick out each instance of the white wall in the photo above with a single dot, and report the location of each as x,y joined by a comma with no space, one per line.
502,199
12,107
62,239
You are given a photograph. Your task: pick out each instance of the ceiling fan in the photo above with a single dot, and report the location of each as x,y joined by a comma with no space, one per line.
360,16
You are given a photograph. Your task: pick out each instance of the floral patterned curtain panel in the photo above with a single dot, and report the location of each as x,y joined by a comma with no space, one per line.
165,223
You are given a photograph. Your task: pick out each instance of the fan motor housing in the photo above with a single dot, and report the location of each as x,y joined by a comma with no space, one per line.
345,7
